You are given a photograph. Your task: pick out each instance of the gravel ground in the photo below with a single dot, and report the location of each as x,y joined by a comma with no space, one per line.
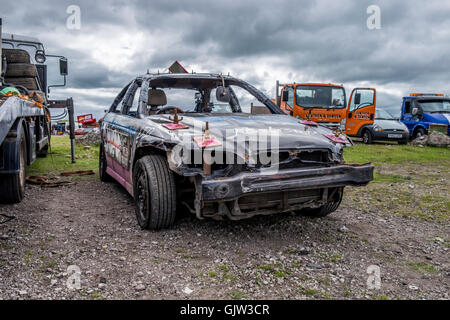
286,256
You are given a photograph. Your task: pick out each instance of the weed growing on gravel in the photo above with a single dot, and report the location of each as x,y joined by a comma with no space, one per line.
422,267
238,295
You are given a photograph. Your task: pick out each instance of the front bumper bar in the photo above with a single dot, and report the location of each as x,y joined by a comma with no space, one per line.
289,179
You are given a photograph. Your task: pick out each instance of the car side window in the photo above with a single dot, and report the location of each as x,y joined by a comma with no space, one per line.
131,100
290,101
408,107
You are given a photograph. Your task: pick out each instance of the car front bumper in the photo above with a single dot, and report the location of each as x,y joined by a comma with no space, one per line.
247,183
390,135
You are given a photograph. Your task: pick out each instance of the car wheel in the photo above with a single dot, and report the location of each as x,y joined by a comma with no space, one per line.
154,193
12,187
367,137
104,176
328,208
403,142
419,133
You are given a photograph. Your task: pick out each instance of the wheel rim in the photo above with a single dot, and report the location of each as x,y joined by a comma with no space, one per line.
366,137
141,196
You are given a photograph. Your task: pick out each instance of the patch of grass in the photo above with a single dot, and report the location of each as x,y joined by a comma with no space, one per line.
59,159
224,268
381,153
276,269
238,295
335,257
307,291
422,267
212,274
96,295
390,178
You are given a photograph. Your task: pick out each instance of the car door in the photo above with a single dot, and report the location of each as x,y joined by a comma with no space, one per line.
407,118
115,140
360,110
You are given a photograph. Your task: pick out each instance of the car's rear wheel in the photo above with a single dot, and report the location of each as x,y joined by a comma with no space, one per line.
154,193
367,137
330,207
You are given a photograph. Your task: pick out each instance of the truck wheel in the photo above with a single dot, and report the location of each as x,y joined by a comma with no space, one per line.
105,177
16,56
21,70
328,208
29,83
154,193
12,187
367,137
419,133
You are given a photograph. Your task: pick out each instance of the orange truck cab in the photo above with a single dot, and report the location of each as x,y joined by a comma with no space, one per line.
327,104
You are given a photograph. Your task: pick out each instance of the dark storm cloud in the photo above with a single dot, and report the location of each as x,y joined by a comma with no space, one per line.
261,40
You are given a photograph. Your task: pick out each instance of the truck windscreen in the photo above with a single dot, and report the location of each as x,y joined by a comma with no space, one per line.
435,106
320,97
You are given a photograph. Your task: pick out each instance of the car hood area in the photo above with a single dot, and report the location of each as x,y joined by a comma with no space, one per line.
245,130
390,124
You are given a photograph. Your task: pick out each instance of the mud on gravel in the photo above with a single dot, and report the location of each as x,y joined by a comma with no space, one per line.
285,256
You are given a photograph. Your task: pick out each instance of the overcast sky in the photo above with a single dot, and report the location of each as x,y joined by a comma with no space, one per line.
257,41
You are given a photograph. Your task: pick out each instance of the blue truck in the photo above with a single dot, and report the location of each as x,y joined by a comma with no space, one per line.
426,112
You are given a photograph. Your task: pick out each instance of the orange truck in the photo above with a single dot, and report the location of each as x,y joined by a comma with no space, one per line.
327,104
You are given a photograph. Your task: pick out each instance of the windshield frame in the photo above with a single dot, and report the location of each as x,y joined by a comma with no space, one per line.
331,107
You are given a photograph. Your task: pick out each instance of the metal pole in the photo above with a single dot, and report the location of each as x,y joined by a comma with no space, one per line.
71,127
277,95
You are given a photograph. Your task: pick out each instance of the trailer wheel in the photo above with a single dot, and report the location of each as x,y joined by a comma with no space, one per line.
367,137
29,83
328,208
154,193
105,177
16,56
12,187
21,70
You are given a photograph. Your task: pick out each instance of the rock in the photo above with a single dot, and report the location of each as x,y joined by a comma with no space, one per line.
187,290
53,282
411,287
23,292
314,266
102,286
102,280
343,229
87,147
139,287
122,259
435,139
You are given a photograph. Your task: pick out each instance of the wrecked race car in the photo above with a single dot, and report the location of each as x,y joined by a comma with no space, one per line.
220,148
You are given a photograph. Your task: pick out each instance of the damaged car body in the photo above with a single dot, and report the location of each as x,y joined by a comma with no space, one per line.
219,147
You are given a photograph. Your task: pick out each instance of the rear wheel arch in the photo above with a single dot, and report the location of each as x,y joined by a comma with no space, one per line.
418,129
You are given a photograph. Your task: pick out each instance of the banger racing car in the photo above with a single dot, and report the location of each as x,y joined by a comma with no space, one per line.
219,147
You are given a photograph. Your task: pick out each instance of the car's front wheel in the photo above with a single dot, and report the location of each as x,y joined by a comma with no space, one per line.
367,137
331,206
154,193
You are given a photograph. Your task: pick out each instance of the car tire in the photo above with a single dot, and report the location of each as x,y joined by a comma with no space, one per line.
403,142
12,186
21,70
102,164
154,193
367,137
419,133
326,209
16,56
